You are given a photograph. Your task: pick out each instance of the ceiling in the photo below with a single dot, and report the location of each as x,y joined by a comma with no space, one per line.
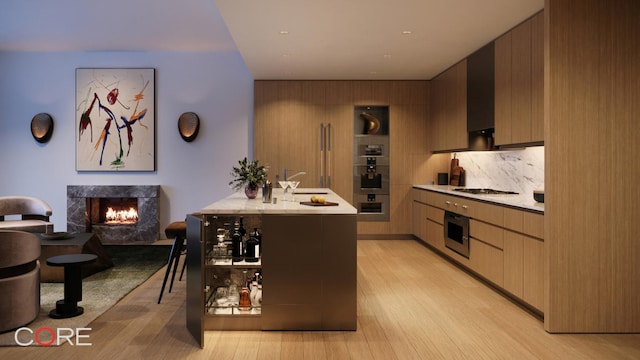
324,39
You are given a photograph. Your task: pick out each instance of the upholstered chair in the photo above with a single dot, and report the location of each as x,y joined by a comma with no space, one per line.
19,278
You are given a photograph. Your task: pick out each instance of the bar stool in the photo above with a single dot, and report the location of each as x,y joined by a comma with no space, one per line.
178,231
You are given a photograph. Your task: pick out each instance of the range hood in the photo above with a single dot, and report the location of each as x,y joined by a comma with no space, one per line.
480,98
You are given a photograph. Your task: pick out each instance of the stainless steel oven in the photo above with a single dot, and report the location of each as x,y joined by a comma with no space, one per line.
456,233
372,207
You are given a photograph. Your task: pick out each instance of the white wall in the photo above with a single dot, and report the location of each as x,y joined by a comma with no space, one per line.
215,85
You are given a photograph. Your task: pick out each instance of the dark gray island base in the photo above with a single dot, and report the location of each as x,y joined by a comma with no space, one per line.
308,261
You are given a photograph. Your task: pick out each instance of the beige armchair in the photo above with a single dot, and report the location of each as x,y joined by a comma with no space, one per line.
19,278
33,214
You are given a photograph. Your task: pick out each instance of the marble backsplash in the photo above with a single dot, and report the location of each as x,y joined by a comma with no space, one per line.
519,170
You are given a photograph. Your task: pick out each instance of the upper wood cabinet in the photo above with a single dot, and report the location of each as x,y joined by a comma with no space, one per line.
519,82
448,109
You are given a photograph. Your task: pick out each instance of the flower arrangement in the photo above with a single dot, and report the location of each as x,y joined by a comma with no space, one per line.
248,174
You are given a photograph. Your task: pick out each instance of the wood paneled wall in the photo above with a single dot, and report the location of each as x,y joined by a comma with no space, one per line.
592,141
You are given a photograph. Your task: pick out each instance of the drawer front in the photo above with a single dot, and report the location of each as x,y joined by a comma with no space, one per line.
487,233
533,224
435,214
486,260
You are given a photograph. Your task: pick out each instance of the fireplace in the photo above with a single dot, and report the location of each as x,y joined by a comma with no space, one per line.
116,214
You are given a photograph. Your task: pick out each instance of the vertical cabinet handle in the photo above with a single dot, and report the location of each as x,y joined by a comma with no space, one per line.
329,154
321,155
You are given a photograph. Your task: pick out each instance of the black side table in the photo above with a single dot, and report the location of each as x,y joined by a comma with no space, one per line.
68,307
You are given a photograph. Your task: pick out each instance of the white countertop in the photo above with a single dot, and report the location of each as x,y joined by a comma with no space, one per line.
524,201
238,203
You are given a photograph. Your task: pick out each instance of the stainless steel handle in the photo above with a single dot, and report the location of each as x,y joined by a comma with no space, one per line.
447,202
329,155
455,204
321,180
465,206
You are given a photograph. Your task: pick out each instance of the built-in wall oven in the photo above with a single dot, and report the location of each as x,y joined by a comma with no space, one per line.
456,233
371,163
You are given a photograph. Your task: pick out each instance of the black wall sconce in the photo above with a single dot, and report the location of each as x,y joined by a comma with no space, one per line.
188,126
42,127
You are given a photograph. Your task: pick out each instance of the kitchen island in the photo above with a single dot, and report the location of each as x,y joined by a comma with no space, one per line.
308,263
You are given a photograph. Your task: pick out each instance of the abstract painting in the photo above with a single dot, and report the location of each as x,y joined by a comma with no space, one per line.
115,120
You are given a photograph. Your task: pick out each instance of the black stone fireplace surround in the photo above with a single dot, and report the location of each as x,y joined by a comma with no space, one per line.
147,228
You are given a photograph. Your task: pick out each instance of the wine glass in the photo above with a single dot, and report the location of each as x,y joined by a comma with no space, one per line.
293,185
284,185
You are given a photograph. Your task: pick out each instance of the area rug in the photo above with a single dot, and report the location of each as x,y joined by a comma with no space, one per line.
133,265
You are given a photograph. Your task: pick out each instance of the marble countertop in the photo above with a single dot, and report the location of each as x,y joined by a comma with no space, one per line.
238,203
524,201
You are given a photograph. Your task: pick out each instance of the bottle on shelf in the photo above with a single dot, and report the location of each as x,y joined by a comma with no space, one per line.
252,253
227,239
220,251
255,297
255,233
244,302
238,246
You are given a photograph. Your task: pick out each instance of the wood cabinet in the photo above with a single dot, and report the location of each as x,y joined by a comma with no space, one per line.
448,109
506,245
519,83
295,127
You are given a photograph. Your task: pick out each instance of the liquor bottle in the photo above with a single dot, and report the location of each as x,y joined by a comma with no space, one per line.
227,239
254,294
256,234
238,249
241,228
220,253
244,303
252,253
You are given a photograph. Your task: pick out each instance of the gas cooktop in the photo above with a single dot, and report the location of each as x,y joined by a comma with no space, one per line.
485,191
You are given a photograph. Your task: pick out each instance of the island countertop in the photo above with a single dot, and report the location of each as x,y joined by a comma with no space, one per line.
238,203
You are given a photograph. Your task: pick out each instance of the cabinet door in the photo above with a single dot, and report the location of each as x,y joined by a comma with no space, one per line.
502,100
419,219
295,128
513,258
537,77
521,83
533,273
449,109
195,282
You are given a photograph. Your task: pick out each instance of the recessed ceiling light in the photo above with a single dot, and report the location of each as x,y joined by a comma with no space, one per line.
406,32
283,32
387,56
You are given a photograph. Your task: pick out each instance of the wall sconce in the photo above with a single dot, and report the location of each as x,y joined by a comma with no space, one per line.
42,127
188,126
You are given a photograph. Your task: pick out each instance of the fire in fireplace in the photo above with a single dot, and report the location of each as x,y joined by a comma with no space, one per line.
115,217
113,211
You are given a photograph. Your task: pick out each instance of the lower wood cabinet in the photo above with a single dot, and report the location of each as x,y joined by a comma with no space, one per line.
506,245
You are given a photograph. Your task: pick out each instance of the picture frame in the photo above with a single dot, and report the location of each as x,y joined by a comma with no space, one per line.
115,119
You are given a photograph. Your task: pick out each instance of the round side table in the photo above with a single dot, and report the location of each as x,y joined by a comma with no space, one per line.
72,263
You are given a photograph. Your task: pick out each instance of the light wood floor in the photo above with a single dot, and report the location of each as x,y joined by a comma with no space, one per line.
412,304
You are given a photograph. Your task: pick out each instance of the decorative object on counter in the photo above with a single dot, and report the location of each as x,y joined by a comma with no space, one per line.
42,127
538,195
250,175
457,173
443,178
188,126
267,191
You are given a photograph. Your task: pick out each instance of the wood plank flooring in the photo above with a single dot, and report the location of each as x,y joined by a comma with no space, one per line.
412,304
